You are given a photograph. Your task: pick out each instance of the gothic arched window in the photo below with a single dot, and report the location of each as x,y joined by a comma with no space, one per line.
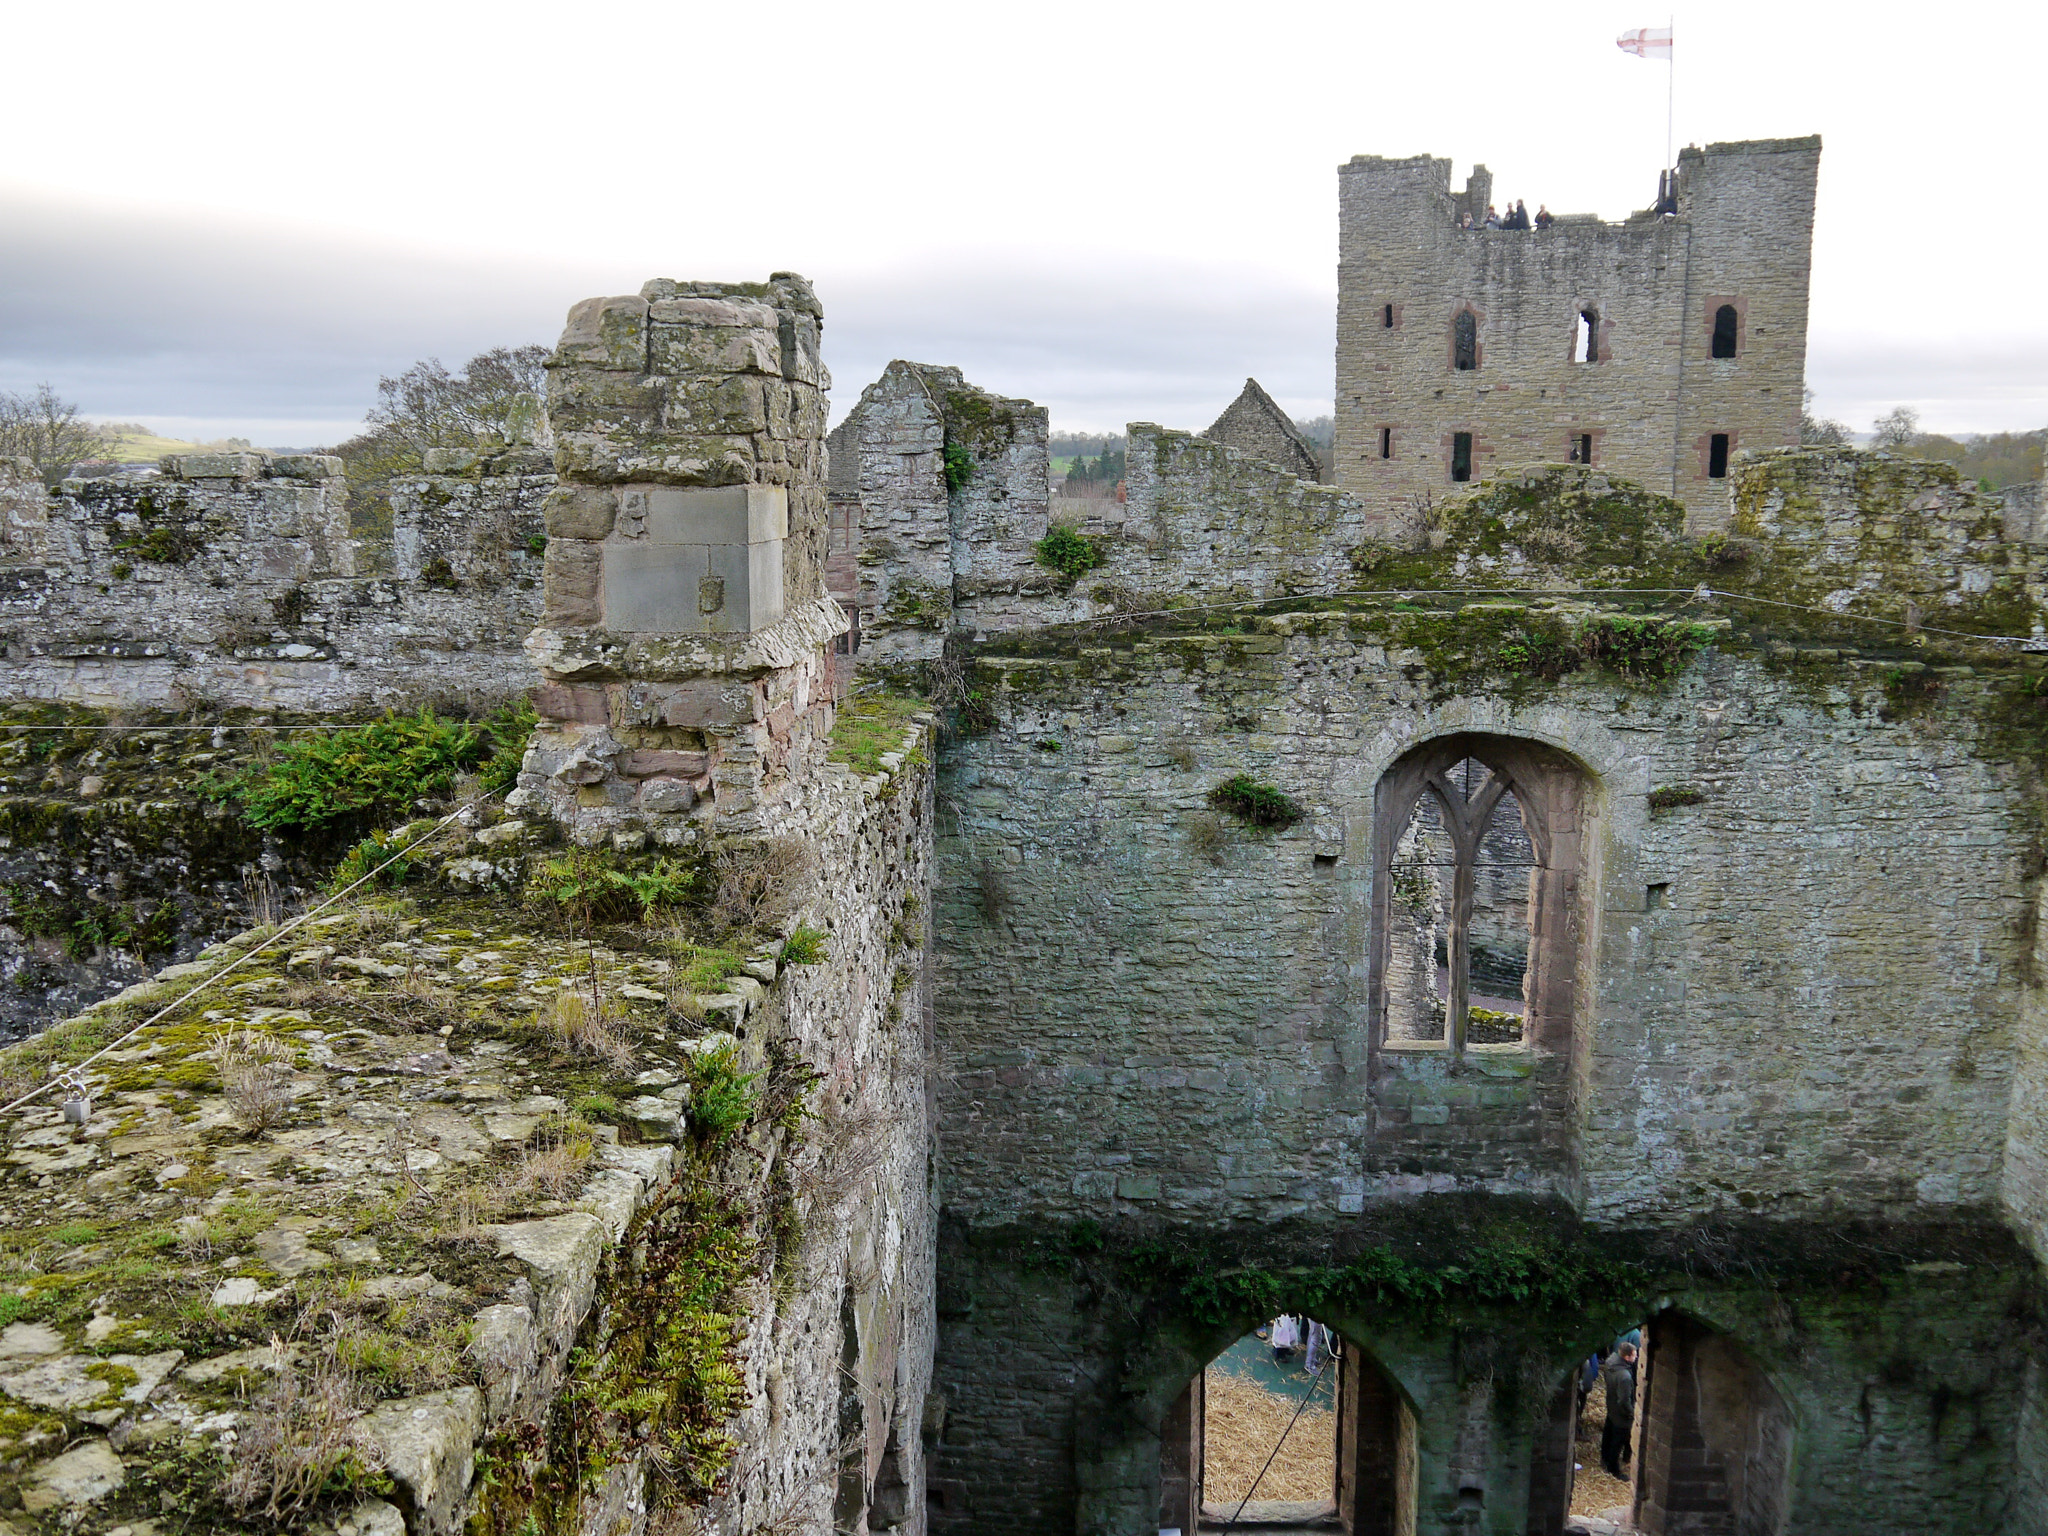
1475,938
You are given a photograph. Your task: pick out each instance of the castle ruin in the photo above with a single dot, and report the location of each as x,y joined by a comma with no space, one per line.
1655,349
1613,900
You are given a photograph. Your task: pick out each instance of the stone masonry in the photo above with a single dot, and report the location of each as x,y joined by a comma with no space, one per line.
234,580
686,639
1653,395
1255,424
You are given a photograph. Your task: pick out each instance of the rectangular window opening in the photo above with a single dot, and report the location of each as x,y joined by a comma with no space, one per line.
1386,442
1387,317
1586,340
1656,895
1717,456
1461,456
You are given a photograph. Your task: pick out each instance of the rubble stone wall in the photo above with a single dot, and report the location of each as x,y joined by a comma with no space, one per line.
233,580
203,1261
1202,522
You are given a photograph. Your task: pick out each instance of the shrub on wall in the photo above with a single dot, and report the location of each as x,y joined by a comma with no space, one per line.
1255,804
325,779
1069,551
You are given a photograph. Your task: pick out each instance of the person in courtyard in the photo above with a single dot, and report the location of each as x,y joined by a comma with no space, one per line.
1619,1376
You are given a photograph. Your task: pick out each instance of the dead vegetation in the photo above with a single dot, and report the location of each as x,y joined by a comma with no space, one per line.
256,1077
760,884
585,1024
1243,1422
302,1436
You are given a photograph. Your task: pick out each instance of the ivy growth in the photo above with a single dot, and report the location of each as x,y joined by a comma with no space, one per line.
957,464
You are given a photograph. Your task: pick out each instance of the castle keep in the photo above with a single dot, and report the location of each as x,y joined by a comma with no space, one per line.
1654,349
950,962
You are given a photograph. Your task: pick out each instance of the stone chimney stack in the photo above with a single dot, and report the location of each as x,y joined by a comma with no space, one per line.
686,642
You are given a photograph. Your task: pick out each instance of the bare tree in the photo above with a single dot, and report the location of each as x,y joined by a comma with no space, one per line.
428,407
1896,429
1819,431
48,432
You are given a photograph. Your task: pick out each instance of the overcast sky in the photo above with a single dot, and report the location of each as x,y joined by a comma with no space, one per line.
227,219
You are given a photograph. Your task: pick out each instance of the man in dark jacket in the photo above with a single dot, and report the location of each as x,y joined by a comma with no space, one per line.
1619,1375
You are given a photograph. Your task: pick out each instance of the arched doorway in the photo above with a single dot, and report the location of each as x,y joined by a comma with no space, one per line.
1715,1437
1289,1445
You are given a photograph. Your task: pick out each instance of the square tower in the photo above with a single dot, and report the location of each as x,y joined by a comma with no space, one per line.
1654,348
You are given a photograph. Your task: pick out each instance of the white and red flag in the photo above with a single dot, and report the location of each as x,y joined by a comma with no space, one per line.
1646,42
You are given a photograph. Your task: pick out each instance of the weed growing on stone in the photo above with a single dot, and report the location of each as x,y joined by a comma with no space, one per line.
326,779
1648,646
582,1026
760,882
300,1439
1069,552
1671,796
958,467
1255,804
869,724
721,1096
256,1077
806,946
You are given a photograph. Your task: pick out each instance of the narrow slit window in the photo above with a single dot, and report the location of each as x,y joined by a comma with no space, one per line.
1461,456
1386,442
1586,338
1465,341
1387,317
1725,324
1582,448
1717,456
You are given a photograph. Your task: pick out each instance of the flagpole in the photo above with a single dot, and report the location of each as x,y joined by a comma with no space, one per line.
1670,91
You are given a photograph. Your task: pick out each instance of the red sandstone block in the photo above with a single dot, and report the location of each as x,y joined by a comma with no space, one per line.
563,701
645,764
780,719
697,705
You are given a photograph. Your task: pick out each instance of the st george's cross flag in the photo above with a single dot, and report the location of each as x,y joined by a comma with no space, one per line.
1646,42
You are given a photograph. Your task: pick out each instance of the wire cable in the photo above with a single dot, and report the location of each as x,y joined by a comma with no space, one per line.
59,1076
1306,1398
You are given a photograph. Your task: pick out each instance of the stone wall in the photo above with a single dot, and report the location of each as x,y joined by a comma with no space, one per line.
1061,1349
1652,395
487,1342
1201,522
1804,987
1752,955
1255,425
233,580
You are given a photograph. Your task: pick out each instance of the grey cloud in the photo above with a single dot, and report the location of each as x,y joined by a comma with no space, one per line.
153,315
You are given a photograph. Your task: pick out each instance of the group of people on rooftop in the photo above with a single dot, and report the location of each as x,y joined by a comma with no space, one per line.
1517,218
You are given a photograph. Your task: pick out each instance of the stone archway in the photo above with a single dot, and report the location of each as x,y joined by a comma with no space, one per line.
1714,1437
1374,1481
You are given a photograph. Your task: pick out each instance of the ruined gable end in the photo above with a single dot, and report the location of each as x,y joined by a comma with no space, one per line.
1255,424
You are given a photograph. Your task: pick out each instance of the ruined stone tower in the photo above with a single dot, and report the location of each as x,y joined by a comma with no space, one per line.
1655,348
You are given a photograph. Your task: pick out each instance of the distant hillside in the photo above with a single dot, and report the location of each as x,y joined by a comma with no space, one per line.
133,443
